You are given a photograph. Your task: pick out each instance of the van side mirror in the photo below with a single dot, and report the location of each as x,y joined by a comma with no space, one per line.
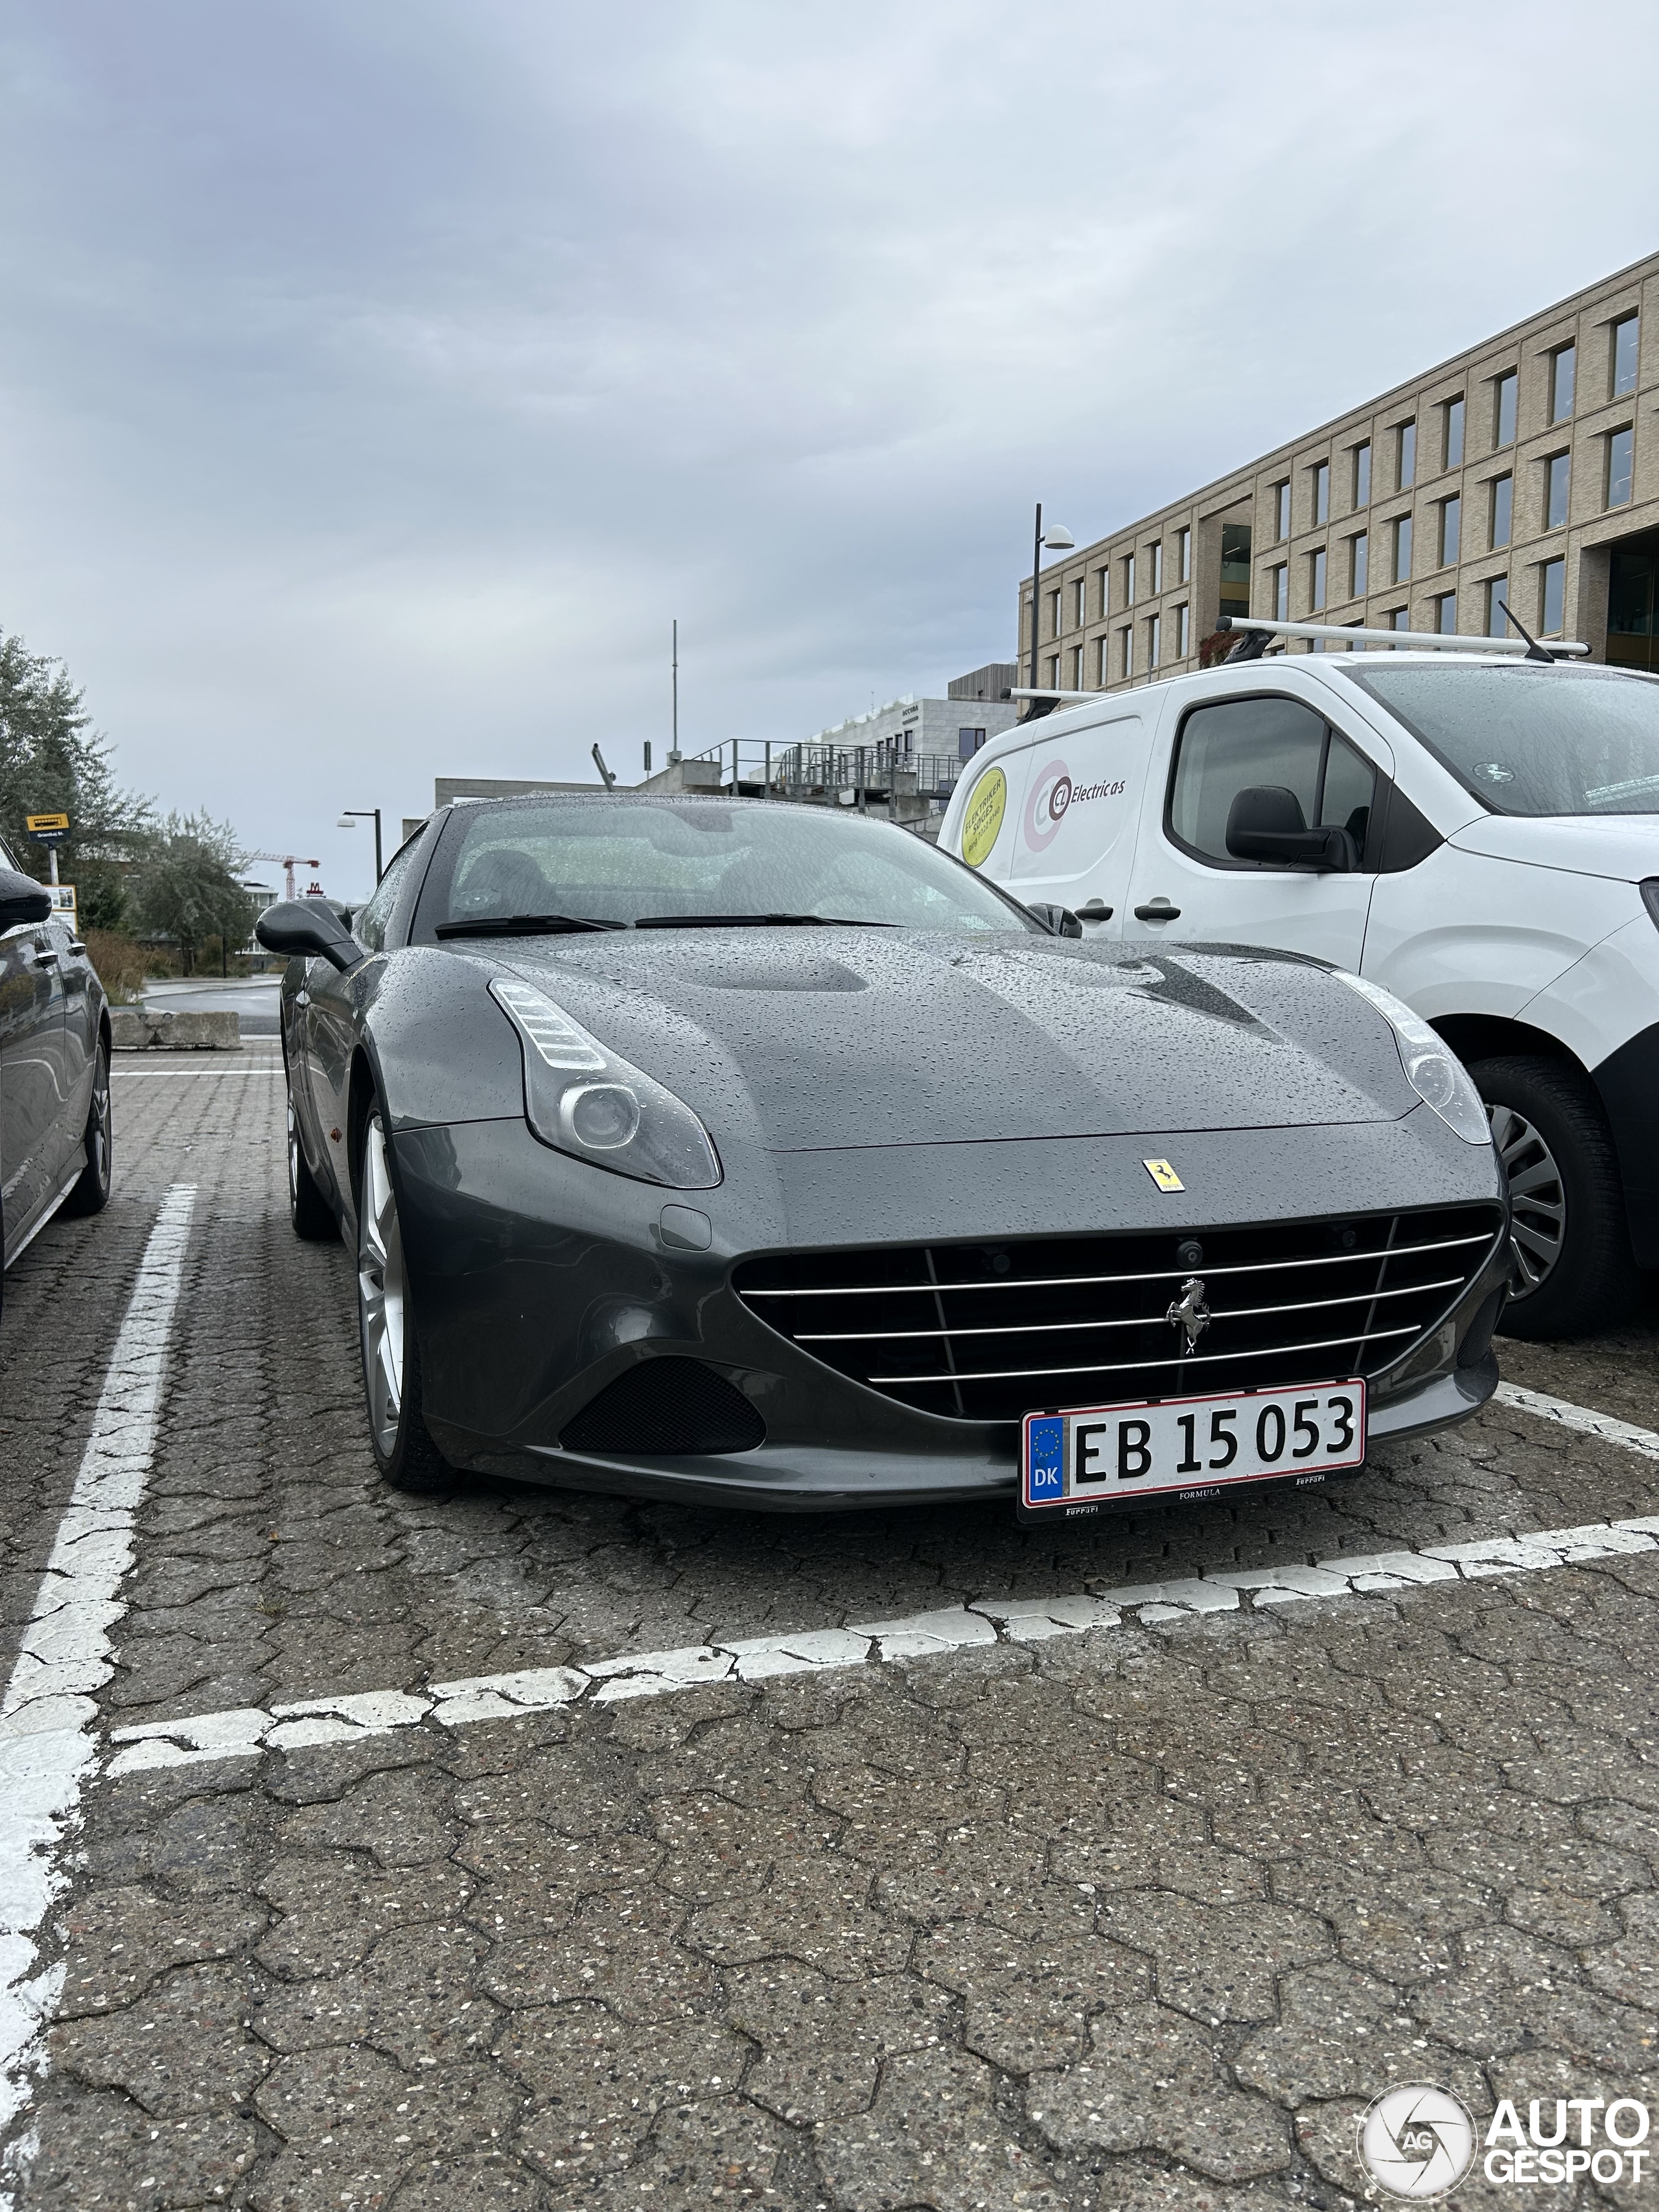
21,899
311,928
1058,920
1264,823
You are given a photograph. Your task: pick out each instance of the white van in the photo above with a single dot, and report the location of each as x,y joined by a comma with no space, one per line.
1476,832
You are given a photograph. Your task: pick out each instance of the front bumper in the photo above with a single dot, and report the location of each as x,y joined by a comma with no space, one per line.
537,1281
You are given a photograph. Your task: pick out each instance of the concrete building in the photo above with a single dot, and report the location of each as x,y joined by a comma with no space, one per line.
1525,472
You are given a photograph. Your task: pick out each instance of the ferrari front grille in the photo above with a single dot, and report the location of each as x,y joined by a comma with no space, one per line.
990,1332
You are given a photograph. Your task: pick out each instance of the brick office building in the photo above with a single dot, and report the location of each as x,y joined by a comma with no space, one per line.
1528,465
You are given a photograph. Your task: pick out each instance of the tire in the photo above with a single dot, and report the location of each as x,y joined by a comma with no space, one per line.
91,1193
1574,1267
403,1451
307,1209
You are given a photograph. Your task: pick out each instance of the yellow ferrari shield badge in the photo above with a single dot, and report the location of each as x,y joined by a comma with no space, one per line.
1163,1175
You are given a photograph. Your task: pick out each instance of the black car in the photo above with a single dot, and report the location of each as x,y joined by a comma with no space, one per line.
54,1067
765,1154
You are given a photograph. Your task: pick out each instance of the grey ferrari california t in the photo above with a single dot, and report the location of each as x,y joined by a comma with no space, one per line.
763,1154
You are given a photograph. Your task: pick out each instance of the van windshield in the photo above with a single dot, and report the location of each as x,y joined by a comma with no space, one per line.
1530,740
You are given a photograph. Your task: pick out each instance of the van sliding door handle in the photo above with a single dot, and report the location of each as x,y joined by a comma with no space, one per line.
1159,910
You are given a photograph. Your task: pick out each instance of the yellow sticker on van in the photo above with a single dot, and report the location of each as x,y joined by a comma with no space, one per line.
982,821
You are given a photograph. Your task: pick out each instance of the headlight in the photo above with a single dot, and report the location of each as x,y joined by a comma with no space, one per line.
1433,1071
586,1101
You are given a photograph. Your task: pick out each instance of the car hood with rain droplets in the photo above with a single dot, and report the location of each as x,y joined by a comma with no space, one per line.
813,1039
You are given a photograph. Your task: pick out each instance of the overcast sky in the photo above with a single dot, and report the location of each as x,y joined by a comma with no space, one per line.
378,381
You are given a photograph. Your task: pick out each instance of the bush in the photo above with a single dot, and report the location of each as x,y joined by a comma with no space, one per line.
122,965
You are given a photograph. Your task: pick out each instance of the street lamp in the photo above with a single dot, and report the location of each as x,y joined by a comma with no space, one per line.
1058,541
354,814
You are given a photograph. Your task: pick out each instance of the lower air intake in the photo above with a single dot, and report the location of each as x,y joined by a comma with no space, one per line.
664,1407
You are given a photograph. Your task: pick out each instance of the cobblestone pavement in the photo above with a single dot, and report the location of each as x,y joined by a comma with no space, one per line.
1137,1920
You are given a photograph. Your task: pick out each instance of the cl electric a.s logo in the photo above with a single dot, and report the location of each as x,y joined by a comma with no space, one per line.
1045,808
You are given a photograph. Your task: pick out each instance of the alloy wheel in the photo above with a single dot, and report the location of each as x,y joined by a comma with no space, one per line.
380,1291
100,1125
293,1159
1538,1198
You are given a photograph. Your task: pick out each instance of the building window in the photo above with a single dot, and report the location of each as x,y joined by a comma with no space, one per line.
1183,619
1281,511
1445,614
1053,614
1105,662
1279,580
1503,511
1395,619
1158,566
1564,375
1077,668
1455,433
1322,493
1362,474
1553,597
1080,603
1626,335
1558,482
1620,454
1359,564
1405,473
1316,582
1103,578
1184,540
1126,658
1128,579
968,742
1154,639
1497,600
1451,531
1053,672
1502,412
1402,550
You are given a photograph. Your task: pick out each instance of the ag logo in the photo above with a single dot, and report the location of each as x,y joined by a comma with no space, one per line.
1417,2140
982,822
1045,810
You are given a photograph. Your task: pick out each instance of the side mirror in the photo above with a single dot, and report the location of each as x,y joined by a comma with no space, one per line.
21,899
1058,920
311,928
1264,823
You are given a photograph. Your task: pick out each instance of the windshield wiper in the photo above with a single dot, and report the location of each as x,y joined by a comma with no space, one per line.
523,924
751,921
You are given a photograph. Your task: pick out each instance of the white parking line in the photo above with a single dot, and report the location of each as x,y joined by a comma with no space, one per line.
756,1659
1581,1419
48,1709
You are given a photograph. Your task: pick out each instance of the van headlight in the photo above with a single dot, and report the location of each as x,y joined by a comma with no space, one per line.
1432,1069
586,1100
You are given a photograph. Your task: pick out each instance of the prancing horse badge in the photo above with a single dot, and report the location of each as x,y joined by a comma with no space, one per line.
1163,1175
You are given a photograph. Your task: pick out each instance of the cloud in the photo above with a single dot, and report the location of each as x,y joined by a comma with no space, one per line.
376,383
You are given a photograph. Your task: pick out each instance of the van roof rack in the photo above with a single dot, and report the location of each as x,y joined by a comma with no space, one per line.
1429,641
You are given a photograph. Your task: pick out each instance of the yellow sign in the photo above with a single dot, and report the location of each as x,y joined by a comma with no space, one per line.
982,821
47,822
1163,1175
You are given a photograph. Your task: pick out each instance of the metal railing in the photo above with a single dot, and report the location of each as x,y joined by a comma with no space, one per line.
852,775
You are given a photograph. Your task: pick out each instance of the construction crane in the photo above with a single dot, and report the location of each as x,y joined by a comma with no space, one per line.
288,860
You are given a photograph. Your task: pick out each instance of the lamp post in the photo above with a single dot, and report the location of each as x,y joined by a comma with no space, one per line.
350,819
1058,540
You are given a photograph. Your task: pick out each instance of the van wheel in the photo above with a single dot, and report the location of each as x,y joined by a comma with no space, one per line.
403,1450
1574,1270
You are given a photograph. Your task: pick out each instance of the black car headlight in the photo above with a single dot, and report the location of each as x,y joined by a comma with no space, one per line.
1432,1068
586,1100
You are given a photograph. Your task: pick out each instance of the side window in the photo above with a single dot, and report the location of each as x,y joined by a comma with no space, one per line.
369,923
1226,748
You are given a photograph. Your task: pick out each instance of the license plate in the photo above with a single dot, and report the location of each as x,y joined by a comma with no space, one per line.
1082,1457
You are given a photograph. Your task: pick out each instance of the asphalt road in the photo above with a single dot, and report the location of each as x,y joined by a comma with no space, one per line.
1138,1917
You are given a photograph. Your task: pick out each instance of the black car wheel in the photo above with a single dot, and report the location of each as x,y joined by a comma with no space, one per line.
91,1193
1574,1270
403,1451
307,1209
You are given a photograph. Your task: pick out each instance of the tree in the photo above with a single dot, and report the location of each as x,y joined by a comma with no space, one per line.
185,887
53,762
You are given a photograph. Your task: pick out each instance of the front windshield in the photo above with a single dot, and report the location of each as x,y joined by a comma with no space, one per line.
1530,740
632,860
